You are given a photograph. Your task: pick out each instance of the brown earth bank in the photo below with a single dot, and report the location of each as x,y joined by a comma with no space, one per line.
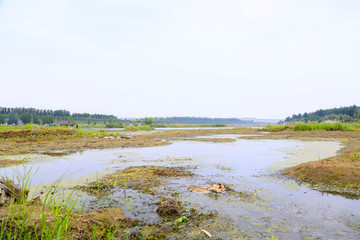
22,142
32,141
106,223
340,173
34,220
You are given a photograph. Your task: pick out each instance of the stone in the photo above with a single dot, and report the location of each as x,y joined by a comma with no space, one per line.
8,191
168,206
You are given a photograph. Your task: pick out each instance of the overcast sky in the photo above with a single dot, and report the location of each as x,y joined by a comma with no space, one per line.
254,58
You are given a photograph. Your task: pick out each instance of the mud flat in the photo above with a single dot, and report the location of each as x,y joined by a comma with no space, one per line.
258,203
308,152
31,141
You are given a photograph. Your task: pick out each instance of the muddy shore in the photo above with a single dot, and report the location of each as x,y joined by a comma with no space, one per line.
24,142
319,174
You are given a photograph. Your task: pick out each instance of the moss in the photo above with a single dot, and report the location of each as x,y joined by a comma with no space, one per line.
143,178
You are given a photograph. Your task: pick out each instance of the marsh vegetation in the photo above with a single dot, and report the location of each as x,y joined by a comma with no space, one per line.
140,177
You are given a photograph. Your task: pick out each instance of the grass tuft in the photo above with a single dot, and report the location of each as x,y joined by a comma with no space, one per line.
313,127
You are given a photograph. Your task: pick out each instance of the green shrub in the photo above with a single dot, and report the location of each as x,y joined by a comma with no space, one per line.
114,125
143,127
323,127
275,128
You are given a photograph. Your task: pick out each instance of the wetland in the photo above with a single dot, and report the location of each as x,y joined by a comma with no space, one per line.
130,175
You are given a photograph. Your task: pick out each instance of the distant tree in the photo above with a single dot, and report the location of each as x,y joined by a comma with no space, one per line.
2,118
148,121
36,119
26,118
88,120
13,119
347,118
357,114
134,123
47,119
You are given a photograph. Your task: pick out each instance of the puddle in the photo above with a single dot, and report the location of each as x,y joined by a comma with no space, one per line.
260,205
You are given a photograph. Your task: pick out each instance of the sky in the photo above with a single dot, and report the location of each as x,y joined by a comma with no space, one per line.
213,58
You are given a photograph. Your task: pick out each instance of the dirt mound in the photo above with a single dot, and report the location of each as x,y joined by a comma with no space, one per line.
143,178
168,206
25,133
105,215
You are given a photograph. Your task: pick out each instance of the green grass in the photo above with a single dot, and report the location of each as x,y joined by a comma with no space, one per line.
113,125
34,127
142,127
54,218
49,132
46,218
314,127
99,133
276,128
323,127
28,126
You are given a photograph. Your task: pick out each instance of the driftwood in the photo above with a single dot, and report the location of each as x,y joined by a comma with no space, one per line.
9,191
217,187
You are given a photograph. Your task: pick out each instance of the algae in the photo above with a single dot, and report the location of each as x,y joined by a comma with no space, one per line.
142,178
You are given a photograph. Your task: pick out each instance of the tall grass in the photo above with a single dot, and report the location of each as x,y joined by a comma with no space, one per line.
322,127
314,127
276,128
46,217
49,219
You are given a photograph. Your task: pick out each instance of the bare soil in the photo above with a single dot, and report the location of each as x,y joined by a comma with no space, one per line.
33,145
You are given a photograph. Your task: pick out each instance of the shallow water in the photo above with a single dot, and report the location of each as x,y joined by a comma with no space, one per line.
280,207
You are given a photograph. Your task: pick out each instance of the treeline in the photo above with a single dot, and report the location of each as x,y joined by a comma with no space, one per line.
199,120
43,116
342,114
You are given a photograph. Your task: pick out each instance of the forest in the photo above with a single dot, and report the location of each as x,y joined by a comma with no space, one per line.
199,120
41,116
342,114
